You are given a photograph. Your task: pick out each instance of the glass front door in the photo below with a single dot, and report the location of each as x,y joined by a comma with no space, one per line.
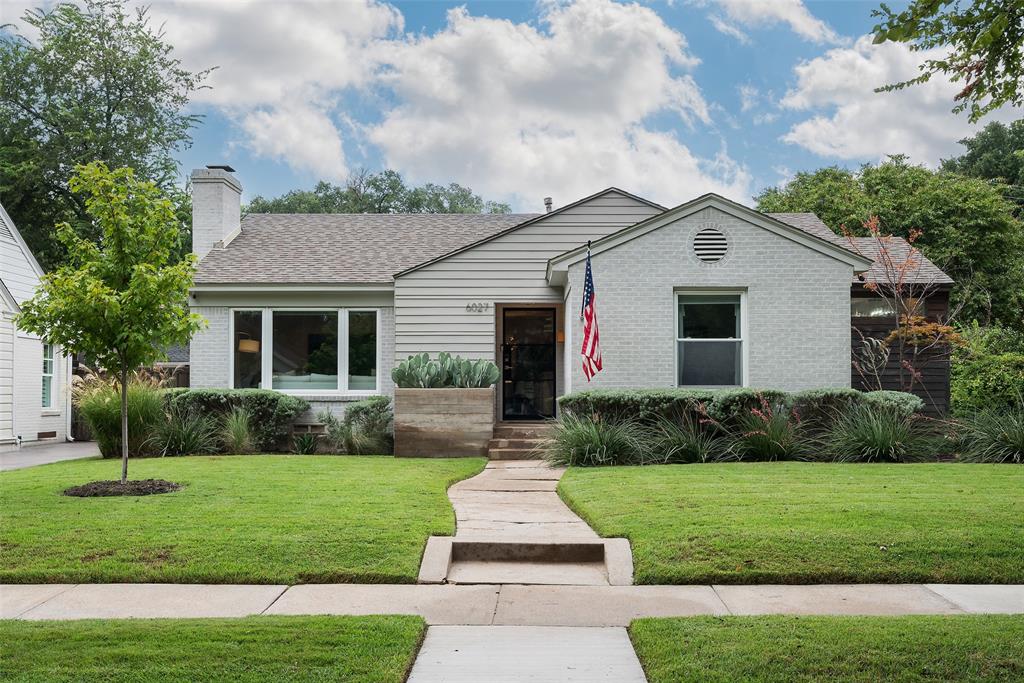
528,363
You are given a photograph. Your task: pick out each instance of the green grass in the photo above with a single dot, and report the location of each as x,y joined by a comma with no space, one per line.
377,649
239,519
808,522
835,649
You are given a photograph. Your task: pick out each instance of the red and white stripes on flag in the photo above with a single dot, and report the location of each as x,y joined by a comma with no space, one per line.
591,350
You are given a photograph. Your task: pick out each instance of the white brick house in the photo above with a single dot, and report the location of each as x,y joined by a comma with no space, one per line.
709,293
34,402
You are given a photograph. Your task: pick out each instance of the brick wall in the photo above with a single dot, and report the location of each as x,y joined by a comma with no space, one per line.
797,306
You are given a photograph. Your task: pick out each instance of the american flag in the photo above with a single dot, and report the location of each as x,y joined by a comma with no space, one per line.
591,350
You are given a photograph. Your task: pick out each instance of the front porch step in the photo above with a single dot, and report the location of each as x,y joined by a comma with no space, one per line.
528,430
513,454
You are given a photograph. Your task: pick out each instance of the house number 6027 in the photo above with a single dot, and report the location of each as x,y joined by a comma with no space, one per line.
478,307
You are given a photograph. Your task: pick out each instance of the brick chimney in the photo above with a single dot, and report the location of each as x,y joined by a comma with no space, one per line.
216,208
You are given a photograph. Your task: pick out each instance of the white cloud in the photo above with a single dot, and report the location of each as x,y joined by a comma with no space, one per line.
301,135
858,123
748,96
763,13
508,108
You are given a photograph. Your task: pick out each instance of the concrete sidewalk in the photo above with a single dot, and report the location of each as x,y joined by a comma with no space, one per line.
509,605
43,454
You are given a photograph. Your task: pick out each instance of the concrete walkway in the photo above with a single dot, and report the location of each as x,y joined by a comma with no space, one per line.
29,456
504,605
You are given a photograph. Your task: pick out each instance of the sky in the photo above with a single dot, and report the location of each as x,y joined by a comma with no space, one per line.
523,100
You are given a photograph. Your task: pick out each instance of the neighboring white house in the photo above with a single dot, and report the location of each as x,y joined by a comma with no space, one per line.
34,402
709,293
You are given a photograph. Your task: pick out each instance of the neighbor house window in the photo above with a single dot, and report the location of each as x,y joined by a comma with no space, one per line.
247,348
877,307
305,350
362,350
709,341
47,375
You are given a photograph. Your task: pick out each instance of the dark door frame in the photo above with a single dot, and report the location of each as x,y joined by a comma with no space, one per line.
499,338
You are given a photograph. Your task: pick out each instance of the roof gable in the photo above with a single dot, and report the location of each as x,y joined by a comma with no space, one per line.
807,236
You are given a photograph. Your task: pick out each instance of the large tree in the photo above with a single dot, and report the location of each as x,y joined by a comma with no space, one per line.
995,153
968,226
982,41
384,192
98,84
121,299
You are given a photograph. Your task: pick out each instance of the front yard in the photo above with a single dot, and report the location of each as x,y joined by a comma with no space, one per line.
239,519
809,523
378,649
840,649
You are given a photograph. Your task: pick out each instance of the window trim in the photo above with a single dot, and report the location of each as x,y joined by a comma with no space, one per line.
51,374
267,348
743,339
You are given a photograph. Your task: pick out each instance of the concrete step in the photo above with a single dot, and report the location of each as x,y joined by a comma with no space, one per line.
515,443
531,430
512,454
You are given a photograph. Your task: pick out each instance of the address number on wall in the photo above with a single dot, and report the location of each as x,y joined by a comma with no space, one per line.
478,307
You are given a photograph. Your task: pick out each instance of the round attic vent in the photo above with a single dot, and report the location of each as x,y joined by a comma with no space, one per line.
710,245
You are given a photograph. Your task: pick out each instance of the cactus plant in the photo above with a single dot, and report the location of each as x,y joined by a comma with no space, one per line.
421,372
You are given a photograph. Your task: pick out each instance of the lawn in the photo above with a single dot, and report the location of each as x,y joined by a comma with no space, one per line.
239,519
810,522
378,649
836,649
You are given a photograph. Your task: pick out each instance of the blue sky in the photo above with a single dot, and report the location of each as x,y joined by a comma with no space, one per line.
520,100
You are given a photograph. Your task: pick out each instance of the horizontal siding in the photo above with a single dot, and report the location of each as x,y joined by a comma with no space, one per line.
430,303
18,274
6,377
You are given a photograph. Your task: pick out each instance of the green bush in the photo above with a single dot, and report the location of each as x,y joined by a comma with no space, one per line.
185,432
99,402
270,412
993,436
685,438
367,428
305,443
873,432
770,431
815,407
643,405
987,382
899,402
584,441
236,432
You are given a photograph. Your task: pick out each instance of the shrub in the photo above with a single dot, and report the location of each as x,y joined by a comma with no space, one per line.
236,432
270,413
420,372
880,433
584,441
898,402
685,438
366,428
987,382
817,406
649,405
771,431
993,436
305,443
99,401
185,432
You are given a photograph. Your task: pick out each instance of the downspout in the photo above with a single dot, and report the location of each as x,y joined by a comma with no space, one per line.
67,399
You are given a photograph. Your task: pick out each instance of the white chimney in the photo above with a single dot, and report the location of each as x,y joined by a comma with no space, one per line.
216,208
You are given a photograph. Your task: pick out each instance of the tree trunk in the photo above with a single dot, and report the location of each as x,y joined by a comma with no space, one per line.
124,427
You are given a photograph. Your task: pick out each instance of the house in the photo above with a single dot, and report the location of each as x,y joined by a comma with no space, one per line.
709,293
34,402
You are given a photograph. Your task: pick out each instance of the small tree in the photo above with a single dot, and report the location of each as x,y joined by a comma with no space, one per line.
120,301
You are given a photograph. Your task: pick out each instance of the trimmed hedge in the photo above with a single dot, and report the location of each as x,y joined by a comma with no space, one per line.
270,412
726,405
988,382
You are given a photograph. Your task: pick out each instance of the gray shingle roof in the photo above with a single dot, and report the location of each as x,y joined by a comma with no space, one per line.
919,270
342,248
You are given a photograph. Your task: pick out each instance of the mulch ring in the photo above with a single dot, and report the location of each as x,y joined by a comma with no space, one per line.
141,487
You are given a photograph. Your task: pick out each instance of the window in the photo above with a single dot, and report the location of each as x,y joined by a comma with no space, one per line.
306,351
47,376
709,341
247,348
877,307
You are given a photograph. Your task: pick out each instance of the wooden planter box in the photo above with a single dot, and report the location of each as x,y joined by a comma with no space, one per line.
443,423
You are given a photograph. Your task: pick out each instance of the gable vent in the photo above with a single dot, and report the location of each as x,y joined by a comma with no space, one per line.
710,245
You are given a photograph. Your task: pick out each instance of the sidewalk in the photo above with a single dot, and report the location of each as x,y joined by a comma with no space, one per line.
505,605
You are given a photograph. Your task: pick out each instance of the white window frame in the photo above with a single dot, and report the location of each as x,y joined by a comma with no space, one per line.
744,356
267,349
47,375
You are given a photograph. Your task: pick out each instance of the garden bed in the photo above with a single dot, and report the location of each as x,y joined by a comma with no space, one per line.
809,522
238,519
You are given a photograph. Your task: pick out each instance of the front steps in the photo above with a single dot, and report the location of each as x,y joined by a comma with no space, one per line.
518,441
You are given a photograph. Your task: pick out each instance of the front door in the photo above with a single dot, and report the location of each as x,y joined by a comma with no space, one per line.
528,363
